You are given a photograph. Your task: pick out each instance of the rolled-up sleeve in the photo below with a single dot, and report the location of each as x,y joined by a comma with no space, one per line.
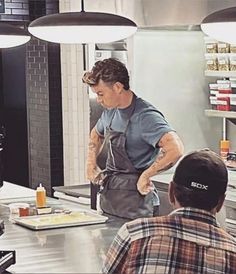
99,127
153,126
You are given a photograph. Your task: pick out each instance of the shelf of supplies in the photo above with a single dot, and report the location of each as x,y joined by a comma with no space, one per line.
220,73
220,113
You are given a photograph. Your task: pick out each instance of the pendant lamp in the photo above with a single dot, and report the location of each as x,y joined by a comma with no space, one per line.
82,27
221,25
12,36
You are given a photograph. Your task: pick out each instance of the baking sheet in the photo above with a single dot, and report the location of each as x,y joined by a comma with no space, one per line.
58,220
75,190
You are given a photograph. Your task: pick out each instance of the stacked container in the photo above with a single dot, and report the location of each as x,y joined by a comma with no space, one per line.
222,95
219,56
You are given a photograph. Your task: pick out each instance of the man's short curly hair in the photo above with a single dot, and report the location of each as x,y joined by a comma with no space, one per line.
109,71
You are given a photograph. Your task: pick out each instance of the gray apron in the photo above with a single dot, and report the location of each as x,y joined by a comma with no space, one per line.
119,195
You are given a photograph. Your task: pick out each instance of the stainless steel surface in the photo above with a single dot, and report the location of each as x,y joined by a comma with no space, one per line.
161,182
64,250
75,190
11,191
66,197
59,220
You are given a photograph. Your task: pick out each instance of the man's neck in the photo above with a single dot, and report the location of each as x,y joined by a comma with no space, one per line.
126,98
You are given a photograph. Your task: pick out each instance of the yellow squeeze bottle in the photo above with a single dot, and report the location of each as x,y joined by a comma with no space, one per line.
224,149
40,196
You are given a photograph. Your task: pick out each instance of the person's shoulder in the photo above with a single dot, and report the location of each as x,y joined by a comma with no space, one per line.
145,107
145,227
143,103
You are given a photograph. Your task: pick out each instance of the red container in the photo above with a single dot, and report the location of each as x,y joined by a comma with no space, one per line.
224,86
223,103
23,211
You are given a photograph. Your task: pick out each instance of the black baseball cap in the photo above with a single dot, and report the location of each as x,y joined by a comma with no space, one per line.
202,170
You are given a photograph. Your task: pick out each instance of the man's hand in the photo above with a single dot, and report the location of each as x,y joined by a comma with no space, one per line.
144,185
92,172
171,150
95,175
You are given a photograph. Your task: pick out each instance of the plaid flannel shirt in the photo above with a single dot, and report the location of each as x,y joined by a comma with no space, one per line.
186,241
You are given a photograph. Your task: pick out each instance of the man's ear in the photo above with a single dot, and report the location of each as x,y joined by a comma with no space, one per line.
171,193
118,87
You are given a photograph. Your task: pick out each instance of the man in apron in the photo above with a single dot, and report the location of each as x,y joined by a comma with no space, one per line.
135,139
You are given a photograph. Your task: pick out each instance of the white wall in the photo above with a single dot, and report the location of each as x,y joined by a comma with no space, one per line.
168,70
75,105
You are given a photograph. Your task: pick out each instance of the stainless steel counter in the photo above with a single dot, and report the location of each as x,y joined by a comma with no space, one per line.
78,249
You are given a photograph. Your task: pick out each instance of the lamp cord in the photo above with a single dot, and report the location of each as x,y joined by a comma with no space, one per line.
82,5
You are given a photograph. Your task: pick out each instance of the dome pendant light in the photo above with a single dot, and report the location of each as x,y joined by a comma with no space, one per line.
12,36
221,25
82,27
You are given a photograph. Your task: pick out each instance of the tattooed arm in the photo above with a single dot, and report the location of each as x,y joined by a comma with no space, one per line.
171,150
95,143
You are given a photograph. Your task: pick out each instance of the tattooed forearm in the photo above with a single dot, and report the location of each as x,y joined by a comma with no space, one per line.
166,168
161,155
171,150
92,146
157,166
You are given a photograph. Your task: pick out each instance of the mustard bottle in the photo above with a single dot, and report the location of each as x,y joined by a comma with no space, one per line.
40,196
224,149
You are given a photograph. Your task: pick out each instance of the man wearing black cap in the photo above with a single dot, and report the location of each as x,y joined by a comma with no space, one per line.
188,240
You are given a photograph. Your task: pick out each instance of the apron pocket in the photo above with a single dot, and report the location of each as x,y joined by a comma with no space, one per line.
123,182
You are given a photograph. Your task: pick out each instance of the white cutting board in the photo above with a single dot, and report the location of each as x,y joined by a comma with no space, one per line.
12,191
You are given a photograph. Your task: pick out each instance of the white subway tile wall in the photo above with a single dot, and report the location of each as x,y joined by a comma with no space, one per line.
75,105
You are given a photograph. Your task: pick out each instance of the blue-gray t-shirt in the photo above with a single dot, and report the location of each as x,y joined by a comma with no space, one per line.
146,127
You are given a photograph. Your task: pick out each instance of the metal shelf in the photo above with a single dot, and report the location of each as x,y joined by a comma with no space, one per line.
220,113
220,73
214,55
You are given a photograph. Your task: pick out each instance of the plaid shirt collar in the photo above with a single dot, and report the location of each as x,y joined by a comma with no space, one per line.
196,214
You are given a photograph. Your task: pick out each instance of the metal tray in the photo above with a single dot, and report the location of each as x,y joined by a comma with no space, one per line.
75,190
58,220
